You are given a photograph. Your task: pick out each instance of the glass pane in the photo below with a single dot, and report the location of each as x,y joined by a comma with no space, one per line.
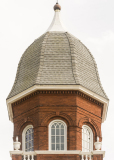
62,126
52,139
53,146
29,136
26,145
57,131
29,131
62,131
26,138
62,139
53,126
57,126
32,143
32,135
57,146
52,131
62,146
57,139
29,144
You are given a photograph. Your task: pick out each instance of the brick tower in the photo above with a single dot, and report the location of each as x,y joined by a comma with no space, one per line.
57,102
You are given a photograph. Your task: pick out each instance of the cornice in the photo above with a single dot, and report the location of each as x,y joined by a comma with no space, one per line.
58,92
58,89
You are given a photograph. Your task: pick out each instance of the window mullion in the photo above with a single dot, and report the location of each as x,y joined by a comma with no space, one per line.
55,137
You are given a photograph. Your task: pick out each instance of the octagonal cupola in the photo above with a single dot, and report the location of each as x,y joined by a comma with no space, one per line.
57,60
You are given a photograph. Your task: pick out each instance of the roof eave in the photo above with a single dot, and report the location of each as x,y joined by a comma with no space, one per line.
57,87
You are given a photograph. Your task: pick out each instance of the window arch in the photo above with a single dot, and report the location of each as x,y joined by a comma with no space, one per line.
57,135
87,139
28,139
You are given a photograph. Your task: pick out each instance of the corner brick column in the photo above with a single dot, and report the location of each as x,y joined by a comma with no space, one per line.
16,157
98,157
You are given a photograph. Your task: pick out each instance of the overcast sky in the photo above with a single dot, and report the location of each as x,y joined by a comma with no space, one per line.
22,21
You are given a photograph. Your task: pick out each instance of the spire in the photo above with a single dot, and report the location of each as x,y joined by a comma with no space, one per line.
56,24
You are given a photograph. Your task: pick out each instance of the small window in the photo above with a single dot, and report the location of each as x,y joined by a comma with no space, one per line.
28,139
57,135
87,139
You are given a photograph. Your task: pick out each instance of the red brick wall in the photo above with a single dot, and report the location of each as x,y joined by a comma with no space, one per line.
58,157
40,109
16,157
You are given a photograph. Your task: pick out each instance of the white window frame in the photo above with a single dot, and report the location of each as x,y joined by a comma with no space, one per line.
65,134
23,136
91,137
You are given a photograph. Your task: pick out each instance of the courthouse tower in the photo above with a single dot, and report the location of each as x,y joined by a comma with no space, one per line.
57,102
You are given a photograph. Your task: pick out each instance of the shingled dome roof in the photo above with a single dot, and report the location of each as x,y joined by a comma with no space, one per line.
57,58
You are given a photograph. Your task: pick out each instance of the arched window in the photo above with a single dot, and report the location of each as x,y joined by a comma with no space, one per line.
28,139
87,139
57,135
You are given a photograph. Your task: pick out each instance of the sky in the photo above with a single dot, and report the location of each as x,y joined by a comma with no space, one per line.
22,21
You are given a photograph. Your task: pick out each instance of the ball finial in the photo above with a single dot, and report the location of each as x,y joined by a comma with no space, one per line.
57,7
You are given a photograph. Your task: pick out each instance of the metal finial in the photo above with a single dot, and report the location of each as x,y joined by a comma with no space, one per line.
57,6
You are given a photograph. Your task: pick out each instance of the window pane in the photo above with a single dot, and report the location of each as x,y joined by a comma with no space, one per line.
62,139
26,138
53,146
32,143
52,131
30,136
62,126
53,139
53,126
29,144
29,131
57,131
57,126
26,145
57,139
62,146
57,146
62,131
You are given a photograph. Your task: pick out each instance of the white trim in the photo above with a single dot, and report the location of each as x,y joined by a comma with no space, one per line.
91,136
57,152
16,153
58,87
49,134
23,136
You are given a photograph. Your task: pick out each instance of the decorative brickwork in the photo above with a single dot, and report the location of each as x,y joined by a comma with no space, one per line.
59,92
70,106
